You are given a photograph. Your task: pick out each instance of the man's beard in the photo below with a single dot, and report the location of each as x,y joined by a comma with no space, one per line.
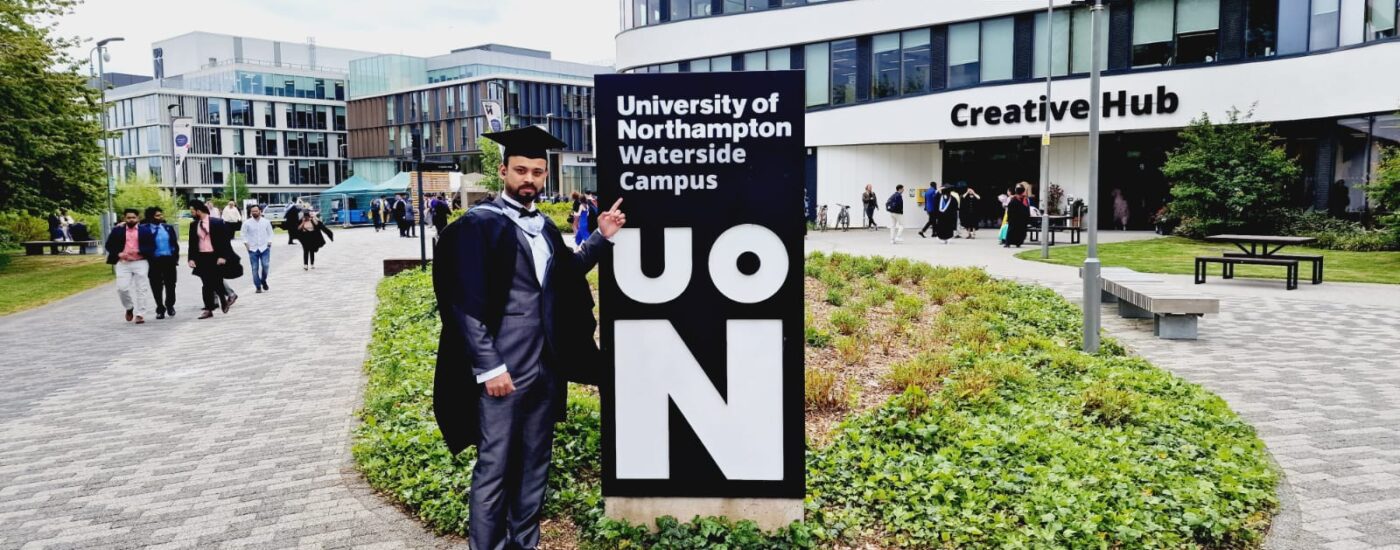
519,197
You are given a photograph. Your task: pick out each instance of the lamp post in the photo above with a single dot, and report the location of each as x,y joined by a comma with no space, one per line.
1045,139
109,218
1092,288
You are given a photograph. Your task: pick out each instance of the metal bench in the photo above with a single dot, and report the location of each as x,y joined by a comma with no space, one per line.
36,248
1228,263
1174,311
1315,259
1033,233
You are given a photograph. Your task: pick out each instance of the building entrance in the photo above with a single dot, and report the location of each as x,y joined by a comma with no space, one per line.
990,167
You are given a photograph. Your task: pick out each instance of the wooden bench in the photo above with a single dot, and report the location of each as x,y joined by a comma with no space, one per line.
1033,233
36,248
1315,259
1174,311
1228,263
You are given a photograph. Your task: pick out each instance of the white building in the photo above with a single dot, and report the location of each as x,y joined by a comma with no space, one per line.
270,112
914,91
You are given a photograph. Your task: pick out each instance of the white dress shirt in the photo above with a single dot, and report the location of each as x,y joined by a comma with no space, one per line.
257,233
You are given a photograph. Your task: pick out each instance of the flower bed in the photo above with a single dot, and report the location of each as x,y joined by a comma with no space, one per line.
946,408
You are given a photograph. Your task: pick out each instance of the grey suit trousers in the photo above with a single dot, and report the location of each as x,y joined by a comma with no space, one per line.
512,465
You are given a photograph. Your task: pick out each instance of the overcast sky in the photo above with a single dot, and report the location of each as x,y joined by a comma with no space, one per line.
574,30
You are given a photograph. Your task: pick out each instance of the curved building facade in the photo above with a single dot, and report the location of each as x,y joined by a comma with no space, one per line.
913,91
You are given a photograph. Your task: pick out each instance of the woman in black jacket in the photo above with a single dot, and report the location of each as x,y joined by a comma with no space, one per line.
308,232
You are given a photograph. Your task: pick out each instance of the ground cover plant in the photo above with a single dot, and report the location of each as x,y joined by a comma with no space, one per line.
945,409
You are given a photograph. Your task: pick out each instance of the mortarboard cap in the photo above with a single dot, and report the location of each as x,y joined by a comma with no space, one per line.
529,142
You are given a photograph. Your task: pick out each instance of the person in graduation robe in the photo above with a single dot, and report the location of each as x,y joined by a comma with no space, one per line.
517,325
1018,214
947,208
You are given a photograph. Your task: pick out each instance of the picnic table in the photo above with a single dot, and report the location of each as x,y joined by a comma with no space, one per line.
1261,250
1058,223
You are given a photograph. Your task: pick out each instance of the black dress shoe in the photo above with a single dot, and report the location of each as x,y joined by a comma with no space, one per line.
207,314
160,316
170,312
229,303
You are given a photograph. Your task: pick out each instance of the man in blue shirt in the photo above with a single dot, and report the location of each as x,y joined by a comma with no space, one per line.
164,262
930,207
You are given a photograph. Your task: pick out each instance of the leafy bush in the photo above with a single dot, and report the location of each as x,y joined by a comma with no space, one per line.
1384,191
1227,178
1336,233
141,194
908,307
558,213
824,391
847,321
17,227
1029,443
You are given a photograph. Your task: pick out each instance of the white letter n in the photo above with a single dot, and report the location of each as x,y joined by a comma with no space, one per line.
743,436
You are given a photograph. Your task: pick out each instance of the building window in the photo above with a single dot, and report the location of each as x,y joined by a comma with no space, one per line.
698,8
680,9
240,112
265,143
733,6
756,5
272,178
1081,40
843,71
1197,31
1326,21
1293,16
1380,18
1261,28
779,59
671,68
153,168
238,142
340,119
639,17
964,45
1152,33
700,66
654,12
916,58
1059,47
246,168
756,61
884,65
722,64
269,119
998,47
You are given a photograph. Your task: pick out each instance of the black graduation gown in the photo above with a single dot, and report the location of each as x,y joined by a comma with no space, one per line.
312,240
970,215
947,218
1017,216
478,251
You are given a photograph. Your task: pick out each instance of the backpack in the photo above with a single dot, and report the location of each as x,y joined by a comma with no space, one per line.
889,204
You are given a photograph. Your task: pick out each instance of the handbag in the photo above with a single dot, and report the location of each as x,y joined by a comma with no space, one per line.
232,268
1005,226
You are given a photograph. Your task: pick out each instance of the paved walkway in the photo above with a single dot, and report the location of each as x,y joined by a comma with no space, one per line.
182,433
1315,370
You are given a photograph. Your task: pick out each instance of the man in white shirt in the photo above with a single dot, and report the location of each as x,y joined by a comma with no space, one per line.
257,236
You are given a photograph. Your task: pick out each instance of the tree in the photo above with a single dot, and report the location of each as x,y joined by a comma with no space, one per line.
1384,192
490,164
236,189
140,193
49,117
1227,177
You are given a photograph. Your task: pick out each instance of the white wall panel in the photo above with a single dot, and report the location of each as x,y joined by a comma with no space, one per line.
843,173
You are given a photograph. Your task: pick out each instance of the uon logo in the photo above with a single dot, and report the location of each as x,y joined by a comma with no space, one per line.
743,433
181,141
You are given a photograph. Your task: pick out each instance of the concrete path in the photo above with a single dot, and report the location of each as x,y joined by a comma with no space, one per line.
1315,370
186,433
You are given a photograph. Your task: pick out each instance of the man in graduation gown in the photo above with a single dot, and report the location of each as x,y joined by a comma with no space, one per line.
517,325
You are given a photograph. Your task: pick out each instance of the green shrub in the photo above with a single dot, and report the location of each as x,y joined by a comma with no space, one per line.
824,391
559,214
1227,178
1384,192
850,350
847,322
908,307
17,227
140,194
1109,405
837,295
816,337
925,370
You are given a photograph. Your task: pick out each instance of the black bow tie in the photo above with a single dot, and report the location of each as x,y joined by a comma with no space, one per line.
525,213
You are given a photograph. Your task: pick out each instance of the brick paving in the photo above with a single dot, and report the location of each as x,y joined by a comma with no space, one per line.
182,433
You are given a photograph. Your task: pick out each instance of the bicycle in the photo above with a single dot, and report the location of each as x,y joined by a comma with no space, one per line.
843,219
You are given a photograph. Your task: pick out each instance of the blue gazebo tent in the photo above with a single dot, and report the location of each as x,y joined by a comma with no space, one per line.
348,201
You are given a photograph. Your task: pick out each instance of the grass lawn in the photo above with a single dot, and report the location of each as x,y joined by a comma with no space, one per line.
1177,255
32,281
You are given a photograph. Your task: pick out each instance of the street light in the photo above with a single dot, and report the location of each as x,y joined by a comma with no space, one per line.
109,218
1045,139
1092,290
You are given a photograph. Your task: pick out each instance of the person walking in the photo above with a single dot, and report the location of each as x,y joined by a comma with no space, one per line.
1018,214
413,214
930,197
163,262
948,204
127,249
970,212
400,212
1120,209
376,213
233,217
868,199
211,249
895,206
257,237
517,325
441,211
309,233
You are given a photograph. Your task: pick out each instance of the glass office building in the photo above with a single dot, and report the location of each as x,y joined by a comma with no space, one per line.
913,91
443,102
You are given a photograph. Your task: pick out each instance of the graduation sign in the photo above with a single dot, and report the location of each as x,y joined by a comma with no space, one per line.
702,304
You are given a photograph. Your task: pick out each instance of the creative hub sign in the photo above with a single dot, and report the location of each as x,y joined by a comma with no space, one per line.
1119,104
702,304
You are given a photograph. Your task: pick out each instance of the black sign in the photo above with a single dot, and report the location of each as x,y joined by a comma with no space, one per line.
1036,110
438,166
701,305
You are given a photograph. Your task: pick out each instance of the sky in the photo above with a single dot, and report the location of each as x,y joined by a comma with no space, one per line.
573,30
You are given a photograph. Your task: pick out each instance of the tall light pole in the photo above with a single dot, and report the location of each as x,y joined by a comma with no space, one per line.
1092,286
110,217
1045,139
